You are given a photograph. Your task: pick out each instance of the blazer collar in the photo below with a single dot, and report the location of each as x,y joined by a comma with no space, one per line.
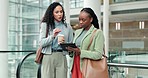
88,32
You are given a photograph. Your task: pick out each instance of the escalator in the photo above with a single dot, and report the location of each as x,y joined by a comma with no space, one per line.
27,68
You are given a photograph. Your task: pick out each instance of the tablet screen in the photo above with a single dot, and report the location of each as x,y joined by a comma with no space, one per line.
64,45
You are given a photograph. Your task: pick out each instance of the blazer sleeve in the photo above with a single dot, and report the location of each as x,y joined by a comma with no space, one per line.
43,41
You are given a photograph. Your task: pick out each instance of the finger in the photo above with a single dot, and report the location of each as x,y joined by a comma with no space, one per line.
58,30
76,53
70,48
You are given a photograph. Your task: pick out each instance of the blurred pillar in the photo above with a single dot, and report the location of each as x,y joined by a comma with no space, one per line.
67,10
4,38
106,24
67,14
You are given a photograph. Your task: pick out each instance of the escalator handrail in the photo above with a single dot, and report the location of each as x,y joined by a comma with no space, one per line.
142,66
21,62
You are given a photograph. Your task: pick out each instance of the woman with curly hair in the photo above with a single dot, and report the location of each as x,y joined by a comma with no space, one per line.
54,62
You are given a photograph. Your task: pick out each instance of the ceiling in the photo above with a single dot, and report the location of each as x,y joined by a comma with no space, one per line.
121,17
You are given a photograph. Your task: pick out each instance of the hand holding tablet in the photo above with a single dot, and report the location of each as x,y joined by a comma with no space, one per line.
64,45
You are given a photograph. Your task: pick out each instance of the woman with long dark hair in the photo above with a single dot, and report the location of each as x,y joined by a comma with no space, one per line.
54,62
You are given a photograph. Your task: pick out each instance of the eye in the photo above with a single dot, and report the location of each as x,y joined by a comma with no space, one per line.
56,12
83,20
61,11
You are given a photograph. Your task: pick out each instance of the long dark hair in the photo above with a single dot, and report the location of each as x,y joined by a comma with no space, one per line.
48,16
93,15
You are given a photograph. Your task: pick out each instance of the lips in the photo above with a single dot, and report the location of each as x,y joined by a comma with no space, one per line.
60,18
81,25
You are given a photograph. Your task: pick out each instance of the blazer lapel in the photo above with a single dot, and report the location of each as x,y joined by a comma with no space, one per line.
88,33
80,31
77,34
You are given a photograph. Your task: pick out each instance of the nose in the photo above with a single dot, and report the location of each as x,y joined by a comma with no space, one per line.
60,14
80,21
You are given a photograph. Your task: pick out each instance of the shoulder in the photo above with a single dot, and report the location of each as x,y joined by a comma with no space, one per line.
99,30
99,33
68,25
43,25
78,31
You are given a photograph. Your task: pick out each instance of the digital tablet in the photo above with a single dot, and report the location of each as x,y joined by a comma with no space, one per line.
64,45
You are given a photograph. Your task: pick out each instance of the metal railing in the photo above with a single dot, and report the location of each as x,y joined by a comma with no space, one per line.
141,66
20,64
110,64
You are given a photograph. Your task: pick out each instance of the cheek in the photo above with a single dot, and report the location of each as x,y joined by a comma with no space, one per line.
55,14
55,17
87,23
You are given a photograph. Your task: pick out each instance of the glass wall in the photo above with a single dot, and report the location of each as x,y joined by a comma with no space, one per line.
24,20
76,3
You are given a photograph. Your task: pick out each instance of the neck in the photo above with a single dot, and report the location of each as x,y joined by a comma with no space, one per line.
87,28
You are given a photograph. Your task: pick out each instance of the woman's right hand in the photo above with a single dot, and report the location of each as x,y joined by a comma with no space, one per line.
56,31
76,50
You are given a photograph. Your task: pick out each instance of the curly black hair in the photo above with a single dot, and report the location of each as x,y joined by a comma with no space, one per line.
48,17
93,15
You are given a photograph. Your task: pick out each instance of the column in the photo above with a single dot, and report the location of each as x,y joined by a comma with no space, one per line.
96,6
67,14
3,38
67,10
106,24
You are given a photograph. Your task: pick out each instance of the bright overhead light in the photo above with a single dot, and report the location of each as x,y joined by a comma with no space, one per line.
117,26
141,25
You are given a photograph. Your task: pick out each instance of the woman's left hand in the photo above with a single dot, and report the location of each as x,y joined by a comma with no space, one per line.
76,50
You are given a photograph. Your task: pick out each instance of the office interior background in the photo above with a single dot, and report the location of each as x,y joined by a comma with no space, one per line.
127,35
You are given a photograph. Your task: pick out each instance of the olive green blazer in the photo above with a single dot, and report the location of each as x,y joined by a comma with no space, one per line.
96,49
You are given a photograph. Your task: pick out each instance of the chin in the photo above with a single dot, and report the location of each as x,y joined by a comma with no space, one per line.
81,26
58,20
